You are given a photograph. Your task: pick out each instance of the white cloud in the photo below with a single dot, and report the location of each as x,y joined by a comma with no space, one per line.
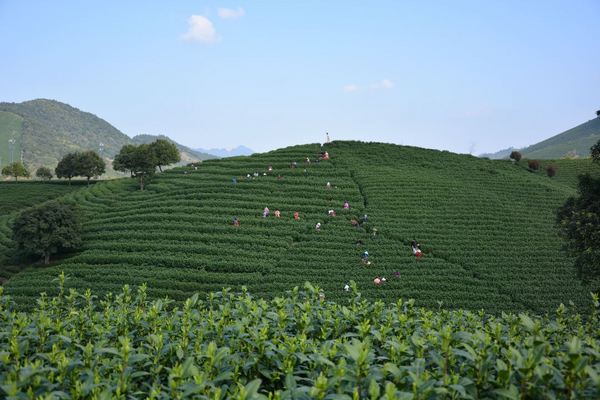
200,30
384,85
231,13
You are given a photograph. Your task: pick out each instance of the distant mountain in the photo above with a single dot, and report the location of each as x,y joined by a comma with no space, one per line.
42,131
222,153
499,155
575,142
187,155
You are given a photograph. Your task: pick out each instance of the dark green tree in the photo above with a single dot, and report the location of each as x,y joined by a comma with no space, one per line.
579,224
89,164
165,153
595,152
67,167
138,160
47,229
44,173
124,160
15,170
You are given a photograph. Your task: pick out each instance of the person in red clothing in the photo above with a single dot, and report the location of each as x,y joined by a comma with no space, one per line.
296,216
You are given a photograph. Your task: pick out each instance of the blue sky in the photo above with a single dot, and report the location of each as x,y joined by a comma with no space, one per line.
466,76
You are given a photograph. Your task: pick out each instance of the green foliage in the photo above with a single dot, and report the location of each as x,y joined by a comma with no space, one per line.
67,167
579,223
13,198
595,152
89,164
165,153
140,161
44,173
47,229
297,346
10,129
15,170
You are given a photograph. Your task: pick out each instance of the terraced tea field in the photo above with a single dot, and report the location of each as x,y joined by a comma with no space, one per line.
486,228
16,196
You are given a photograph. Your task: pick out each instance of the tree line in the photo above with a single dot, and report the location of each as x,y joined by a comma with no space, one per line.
140,161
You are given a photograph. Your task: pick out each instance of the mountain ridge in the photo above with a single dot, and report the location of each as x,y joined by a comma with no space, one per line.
240,150
44,130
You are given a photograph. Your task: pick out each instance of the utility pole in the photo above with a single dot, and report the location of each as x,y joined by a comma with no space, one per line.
11,146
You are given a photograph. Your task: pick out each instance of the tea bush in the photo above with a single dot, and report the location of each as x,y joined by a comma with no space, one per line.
298,346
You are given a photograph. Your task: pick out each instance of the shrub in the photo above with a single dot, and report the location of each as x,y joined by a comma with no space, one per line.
515,155
533,165
47,229
15,170
551,170
44,173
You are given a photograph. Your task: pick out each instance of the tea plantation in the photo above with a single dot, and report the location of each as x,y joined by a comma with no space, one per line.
297,346
16,196
486,228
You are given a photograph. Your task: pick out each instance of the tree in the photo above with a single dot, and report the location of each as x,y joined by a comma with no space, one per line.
138,160
515,155
44,173
598,113
15,170
124,160
533,165
47,229
67,167
89,164
551,170
579,223
595,153
165,153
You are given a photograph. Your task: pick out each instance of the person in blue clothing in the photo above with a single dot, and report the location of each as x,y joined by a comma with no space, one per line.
234,180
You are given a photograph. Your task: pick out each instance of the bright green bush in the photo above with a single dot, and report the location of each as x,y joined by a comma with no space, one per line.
76,345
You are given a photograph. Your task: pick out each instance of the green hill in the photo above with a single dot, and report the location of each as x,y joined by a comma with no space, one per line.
486,227
45,130
575,142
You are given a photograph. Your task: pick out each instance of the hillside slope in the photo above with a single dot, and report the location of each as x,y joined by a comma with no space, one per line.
573,142
15,197
49,129
487,229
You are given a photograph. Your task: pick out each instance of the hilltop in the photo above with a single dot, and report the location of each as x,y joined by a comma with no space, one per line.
45,130
486,227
